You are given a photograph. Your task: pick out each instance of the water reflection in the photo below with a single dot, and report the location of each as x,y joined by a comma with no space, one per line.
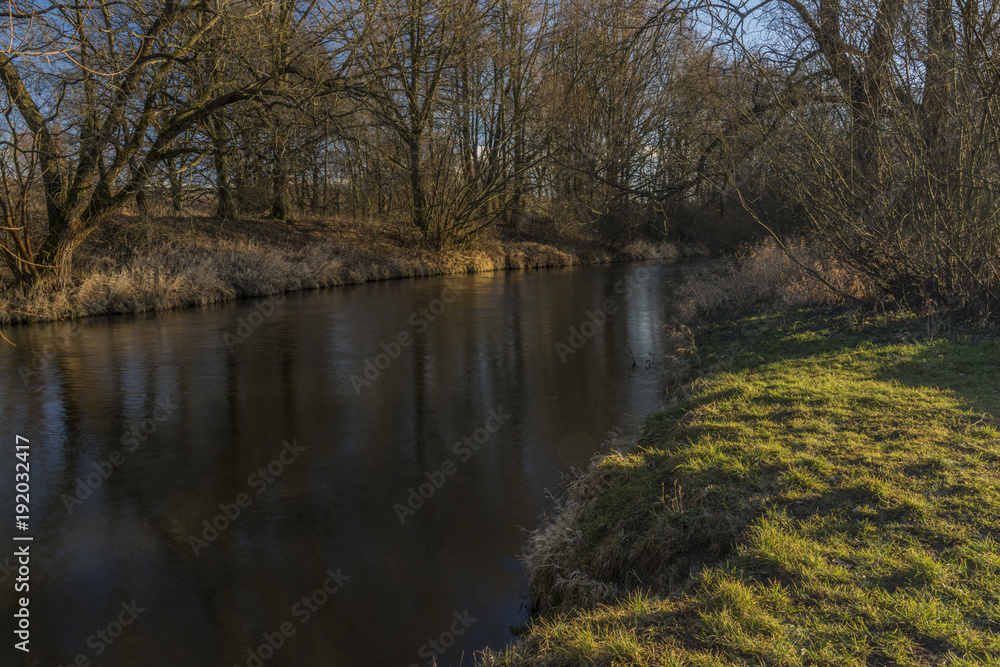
145,427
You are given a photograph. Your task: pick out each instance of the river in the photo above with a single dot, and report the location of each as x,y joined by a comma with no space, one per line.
337,477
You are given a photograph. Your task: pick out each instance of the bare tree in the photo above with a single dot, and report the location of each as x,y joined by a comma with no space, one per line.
633,112
127,64
882,132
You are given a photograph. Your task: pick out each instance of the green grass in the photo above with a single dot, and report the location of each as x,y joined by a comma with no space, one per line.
828,495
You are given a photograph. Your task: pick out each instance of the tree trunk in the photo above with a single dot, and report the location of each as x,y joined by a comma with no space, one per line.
141,205
418,198
54,260
226,204
281,205
176,186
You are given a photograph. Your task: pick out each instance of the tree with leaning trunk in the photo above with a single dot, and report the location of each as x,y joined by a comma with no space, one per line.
124,64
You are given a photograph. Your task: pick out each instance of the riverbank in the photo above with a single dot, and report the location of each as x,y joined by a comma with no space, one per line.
823,489
132,266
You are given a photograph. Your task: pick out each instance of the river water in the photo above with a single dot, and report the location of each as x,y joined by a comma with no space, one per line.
338,477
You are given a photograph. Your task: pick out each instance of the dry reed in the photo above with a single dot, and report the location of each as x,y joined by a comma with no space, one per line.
175,263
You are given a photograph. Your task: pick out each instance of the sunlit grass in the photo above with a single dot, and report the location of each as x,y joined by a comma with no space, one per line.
827,496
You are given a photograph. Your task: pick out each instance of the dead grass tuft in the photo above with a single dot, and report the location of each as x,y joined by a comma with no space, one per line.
765,273
553,555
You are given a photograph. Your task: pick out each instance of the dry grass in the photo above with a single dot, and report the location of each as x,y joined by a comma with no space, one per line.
130,266
551,556
765,273
759,276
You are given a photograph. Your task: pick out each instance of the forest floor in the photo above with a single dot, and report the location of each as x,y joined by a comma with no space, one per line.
825,492
130,266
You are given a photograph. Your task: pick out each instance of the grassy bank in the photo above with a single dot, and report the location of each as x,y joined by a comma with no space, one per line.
826,493
134,266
